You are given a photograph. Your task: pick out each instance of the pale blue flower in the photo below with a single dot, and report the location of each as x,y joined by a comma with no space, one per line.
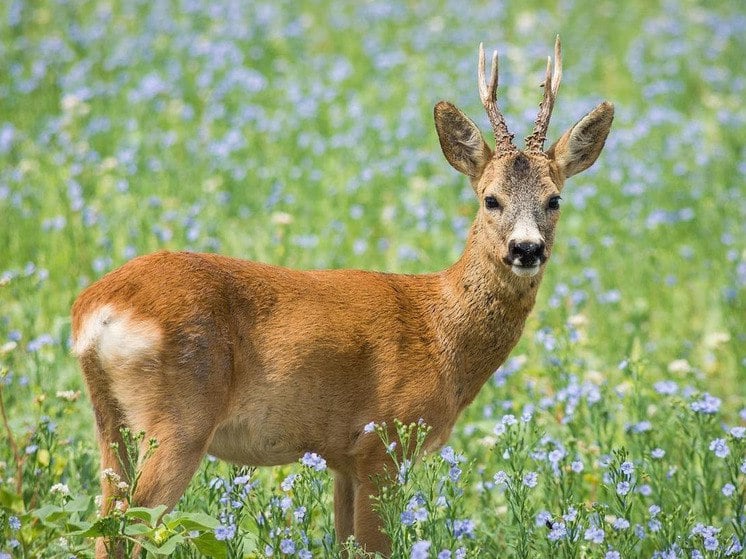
728,489
445,554
407,518
657,453
420,550
288,482
720,448
502,478
287,546
570,515
557,532
463,528
369,427
225,532
612,554
15,523
313,460
627,468
620,524
707,404
530,479
577,466
623,487
738,432
594,535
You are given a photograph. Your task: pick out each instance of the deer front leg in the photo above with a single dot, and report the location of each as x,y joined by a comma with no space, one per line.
367,521
344,506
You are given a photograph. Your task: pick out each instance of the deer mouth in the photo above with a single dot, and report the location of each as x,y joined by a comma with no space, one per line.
525,271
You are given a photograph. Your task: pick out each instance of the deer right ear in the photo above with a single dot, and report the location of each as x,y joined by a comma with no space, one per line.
461,140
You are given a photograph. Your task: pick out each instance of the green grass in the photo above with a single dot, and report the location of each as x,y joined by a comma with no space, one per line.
300,133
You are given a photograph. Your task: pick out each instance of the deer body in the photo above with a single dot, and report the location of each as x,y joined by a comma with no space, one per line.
258,364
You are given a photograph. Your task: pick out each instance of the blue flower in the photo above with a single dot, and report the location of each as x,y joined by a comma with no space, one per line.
463,528
543,517
657,453
445,554
594,535
623,487
557,532
710,543
313,460
287,546
627,468
225,532
420,550
738,432
577,466
707,404
450,456
720,448
369,427
407,518
620,524
728,489
530,479
15,523
288,482
612,554
570,515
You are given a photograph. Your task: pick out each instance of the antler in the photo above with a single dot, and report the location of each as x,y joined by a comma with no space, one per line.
488,95
535,142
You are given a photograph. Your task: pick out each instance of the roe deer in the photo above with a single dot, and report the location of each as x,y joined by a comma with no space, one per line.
258,364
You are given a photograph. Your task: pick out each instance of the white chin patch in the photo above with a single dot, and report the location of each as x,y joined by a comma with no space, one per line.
524,271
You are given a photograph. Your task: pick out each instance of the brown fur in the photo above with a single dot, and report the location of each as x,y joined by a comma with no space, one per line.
258,364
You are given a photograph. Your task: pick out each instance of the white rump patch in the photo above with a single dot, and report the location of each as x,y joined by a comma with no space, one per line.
117,337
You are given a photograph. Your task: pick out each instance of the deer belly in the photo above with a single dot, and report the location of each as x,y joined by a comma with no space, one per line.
261,439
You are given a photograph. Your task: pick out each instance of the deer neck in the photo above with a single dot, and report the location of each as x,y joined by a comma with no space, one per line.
485,307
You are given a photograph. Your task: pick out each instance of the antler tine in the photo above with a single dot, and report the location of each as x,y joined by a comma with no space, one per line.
535,142
488,95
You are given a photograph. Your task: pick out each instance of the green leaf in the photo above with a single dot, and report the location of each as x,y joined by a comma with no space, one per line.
137,529
80,503
47,513
10,500
102,527
191,521
207,544
148,515
167,548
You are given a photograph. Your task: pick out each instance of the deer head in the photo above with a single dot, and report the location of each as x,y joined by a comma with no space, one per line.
519,190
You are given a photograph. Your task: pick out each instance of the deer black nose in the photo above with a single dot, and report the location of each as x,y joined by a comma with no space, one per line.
527,251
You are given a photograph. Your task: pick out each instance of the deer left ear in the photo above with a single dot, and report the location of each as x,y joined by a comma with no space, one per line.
580,146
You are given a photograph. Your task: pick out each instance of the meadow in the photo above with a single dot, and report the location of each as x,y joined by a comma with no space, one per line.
301,134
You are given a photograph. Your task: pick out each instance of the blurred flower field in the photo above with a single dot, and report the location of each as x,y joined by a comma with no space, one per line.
300,133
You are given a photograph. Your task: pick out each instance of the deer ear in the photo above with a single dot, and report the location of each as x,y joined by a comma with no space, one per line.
461,140
580,146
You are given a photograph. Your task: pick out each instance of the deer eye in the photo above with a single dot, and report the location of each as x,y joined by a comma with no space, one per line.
554,203
491,203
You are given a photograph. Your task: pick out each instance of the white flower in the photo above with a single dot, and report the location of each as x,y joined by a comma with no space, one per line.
60,488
